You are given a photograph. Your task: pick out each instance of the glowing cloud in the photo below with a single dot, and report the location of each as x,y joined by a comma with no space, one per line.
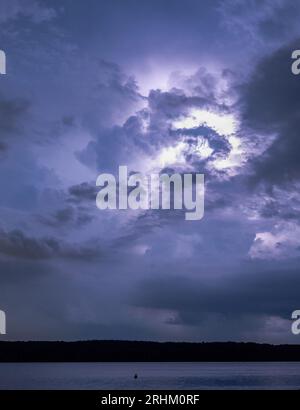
223,124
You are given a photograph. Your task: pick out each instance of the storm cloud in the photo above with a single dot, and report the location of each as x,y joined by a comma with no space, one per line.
161,86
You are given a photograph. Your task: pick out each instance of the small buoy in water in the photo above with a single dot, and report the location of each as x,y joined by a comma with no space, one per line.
135,376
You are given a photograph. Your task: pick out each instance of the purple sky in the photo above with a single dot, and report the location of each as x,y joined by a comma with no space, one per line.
192,86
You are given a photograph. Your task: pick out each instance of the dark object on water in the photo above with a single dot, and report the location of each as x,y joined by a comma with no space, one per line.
135,376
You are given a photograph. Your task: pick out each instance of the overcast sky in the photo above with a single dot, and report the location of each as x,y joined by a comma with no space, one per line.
191,86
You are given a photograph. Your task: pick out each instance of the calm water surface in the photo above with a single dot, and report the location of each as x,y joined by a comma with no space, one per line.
150,375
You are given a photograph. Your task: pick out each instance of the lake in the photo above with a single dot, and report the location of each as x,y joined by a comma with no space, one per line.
150,375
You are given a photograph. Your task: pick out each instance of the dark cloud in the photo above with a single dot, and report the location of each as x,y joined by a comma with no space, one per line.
231,298
271,107
280,210
174,103
68,216
16,244
261,21
83,192
12,112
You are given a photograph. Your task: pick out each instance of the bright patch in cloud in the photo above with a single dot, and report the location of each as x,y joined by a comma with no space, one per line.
223,124
283,243
173,155
176,155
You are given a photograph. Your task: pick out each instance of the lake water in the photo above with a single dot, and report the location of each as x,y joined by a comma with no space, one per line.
150,375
